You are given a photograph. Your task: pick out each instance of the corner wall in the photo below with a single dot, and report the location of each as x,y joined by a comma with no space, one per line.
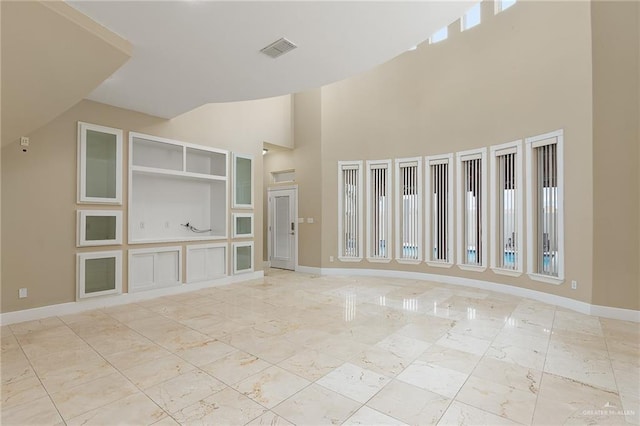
39,187
616,117
305,159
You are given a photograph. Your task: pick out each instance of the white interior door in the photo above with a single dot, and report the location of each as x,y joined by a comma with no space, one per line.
283,228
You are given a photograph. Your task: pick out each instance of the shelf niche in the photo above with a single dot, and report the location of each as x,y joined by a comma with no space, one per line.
174,184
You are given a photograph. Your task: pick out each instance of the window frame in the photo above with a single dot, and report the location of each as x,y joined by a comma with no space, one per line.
463,19
461,222
370,165
445,29
532,143
498,6
398,199
495,152
439,159
345,165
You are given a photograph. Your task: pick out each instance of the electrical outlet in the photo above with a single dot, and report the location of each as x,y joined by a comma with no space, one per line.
24,141
574,285
22,293
330,258
141,225
166,224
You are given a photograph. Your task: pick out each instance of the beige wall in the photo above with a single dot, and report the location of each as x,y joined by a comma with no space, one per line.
521,73
305,159
615,153
39,187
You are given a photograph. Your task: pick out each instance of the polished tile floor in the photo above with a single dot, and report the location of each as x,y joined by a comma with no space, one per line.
307,350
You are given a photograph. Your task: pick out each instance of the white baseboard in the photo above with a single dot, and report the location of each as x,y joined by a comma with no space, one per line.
309,270
121,299
564,302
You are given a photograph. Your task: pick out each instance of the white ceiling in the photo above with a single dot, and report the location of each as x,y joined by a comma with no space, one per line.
189,53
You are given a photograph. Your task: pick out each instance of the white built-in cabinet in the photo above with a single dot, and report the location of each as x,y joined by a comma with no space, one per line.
242,257
99,228
154,268
242,181
177,191
206,262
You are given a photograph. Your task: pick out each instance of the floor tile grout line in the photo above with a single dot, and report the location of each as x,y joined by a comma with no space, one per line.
544,364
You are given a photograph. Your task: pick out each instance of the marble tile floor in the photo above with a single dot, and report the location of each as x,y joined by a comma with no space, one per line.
301,349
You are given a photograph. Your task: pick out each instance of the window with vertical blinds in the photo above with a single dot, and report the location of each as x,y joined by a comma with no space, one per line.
350,210
545,227
378,210
439,204
506,205
472,229
409,209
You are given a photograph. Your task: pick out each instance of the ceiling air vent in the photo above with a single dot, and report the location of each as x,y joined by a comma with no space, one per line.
278,48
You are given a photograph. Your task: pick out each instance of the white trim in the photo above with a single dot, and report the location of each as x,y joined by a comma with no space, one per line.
234,230
80,271
495,151
349,165
308,270
439,264
508,272
386,164
399,162
82,164
433,160
235,204
155,284
564,302
472,268
81,222
192,247
106,302
473,154
234,246
545,279
558,135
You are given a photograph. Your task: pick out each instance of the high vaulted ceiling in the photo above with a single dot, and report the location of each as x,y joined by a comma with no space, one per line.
189,53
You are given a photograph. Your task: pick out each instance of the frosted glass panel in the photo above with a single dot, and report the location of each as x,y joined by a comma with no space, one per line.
100,274
100,228
101,165
243,258
282,224
243,225
243,181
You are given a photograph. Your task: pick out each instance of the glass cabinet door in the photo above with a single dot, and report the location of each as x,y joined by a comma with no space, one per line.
99,164
242,181
99,273
242,257
99,227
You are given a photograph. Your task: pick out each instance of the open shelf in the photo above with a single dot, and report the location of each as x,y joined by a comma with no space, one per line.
172,184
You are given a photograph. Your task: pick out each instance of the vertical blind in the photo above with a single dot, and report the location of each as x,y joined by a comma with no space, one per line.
379,211
350,215
472,213
547,210
508,254
439,211
409,211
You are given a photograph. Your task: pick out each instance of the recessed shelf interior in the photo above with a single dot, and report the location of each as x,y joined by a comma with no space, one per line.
176,198
159,155
206,162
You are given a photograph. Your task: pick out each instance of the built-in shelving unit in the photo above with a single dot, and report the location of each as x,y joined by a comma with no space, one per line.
177,191
206,262
154,268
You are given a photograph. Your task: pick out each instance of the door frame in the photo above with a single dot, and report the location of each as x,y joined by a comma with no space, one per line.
271,190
